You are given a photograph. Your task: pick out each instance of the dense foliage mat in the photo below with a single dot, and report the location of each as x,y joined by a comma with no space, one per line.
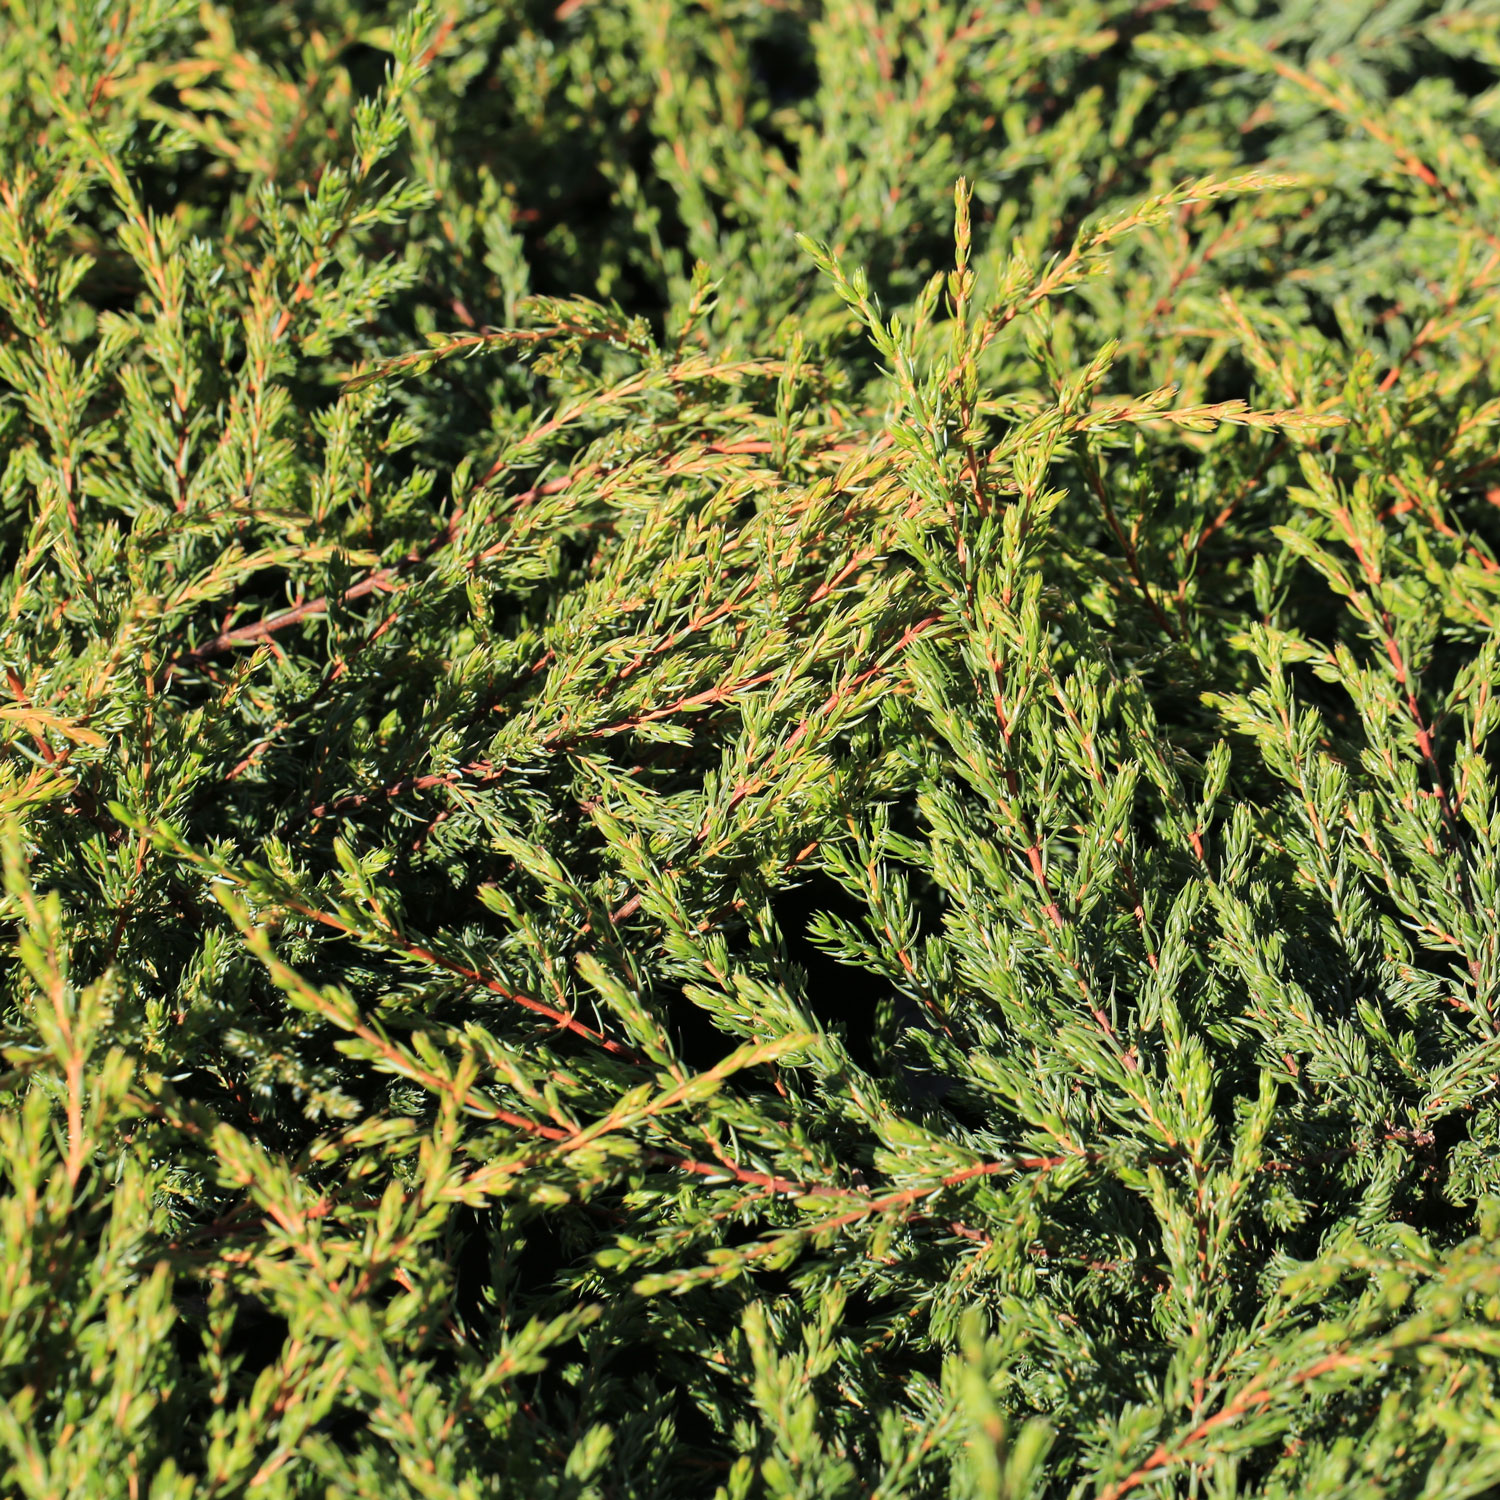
749,748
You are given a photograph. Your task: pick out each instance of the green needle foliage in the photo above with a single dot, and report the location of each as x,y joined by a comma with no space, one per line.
749,749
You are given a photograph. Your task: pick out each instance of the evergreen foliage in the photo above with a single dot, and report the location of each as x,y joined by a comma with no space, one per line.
749,749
